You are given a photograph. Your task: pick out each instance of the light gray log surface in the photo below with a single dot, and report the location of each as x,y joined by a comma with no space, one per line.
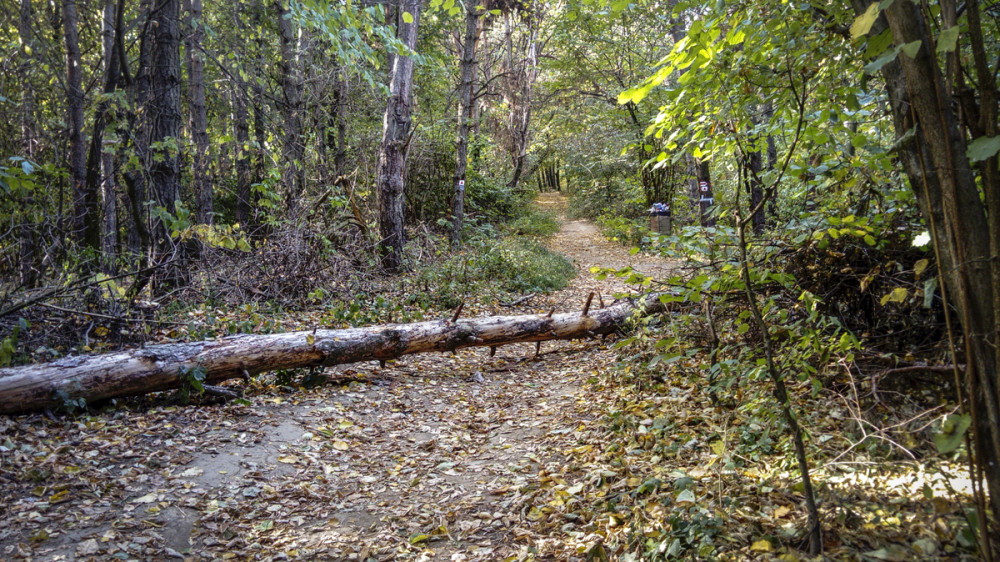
158,367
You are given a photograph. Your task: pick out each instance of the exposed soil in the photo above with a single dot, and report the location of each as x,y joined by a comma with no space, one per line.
434,457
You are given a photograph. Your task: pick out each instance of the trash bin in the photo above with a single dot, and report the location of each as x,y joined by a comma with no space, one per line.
659,219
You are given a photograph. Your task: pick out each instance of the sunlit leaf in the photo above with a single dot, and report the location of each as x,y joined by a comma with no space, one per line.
863,23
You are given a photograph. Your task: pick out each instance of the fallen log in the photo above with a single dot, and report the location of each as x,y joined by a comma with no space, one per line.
162,367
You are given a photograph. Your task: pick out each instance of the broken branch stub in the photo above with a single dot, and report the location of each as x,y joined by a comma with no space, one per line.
158,367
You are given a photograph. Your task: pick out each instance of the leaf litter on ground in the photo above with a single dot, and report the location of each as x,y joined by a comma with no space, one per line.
551,455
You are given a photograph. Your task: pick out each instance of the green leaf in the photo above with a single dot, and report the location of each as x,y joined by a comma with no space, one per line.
883,60
911,48
983,148
863,23
649,485
947,40
408,17
953,428
686,496
930,285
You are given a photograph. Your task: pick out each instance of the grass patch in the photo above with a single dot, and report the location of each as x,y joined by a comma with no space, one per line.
491,267
534,223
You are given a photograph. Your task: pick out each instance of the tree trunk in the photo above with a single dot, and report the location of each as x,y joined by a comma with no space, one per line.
241,132
467,64
520,116
159,367
754,167
198,117
24,31
292,149
137,180
395,137
340,124
100,174
112,24
86,213
705,198
160,99
965,231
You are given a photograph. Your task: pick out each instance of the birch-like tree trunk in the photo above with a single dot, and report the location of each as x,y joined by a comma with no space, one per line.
395,136
467,66
293,149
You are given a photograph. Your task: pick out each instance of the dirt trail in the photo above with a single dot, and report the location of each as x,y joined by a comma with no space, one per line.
432,458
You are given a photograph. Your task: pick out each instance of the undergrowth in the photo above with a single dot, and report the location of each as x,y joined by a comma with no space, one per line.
709,466
490,267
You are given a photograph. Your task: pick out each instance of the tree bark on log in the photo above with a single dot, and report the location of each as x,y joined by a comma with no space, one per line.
158,367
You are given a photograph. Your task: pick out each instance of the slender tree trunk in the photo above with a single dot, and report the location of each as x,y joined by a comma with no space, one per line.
27,117
293,149
340,123
754,167
27,238
100,175
521,111
86,213
198,117
137,180
705,193
241,132
467,66
395,137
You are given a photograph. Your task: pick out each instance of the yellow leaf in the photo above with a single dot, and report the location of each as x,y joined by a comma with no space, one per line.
763,545
920,266
341,445
148,498
863,23
59,497
897,295
420,537
289,459
781,512
310,339
718,447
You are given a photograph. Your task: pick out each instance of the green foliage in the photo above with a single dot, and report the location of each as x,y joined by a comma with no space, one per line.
367,309
181,226
490,265
68,403
533,223
8,346
192,381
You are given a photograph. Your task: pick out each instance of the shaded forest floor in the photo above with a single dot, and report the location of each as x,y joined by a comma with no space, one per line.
451,457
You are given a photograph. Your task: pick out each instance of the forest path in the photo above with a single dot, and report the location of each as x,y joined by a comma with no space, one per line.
434,457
